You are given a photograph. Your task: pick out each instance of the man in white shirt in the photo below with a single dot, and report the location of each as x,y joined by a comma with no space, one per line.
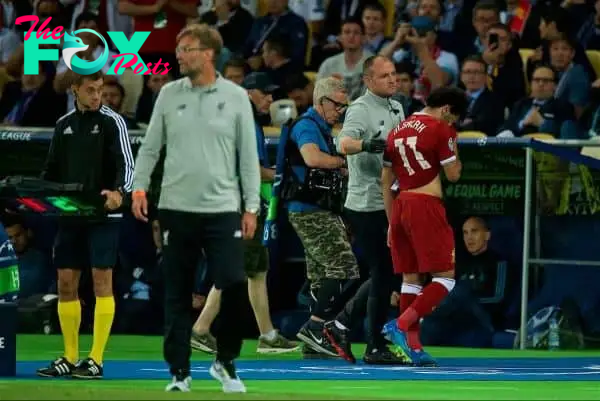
348,65
310,10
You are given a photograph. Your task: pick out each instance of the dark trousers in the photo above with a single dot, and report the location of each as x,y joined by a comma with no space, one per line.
370,232
185,236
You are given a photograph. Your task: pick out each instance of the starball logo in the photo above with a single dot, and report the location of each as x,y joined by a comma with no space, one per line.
128,57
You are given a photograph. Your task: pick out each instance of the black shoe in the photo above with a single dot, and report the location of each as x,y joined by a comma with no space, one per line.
58,368
309,353
383,356
312,335
338,338
88,369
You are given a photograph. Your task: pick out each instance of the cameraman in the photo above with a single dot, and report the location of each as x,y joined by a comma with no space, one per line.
363,138
330,261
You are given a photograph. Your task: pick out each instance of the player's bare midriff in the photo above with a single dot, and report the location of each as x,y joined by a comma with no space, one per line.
433,188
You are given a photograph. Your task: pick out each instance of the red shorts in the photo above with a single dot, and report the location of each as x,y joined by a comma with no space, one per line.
422,241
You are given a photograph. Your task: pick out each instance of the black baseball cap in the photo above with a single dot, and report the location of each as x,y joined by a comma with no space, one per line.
260,81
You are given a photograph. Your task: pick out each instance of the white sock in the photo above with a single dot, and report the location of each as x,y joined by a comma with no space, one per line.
271,335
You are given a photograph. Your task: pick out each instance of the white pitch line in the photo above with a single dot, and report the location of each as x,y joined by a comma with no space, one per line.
498,388
355,387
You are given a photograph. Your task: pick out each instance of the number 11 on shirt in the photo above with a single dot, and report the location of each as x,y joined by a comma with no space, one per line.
411,143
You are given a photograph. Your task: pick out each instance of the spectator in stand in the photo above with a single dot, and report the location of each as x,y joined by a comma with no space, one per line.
236,70
523,20
337,12
405,81
573,81
486,111
113,94
9,39
31,101
554,25
64,76
373,19
280,20
434,67
43,9
164,19
588,35
451,11
311,11
435,9
484,296
50,9
348,65
485,15
300,90
109,18
232,21
35,274
540,112
148,98
276,54
505,67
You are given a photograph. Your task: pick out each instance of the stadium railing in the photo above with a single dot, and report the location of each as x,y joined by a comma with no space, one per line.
507,166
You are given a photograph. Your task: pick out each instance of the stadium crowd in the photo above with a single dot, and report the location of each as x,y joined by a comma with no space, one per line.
527,67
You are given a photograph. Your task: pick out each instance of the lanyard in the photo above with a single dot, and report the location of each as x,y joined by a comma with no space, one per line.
562,81
264,36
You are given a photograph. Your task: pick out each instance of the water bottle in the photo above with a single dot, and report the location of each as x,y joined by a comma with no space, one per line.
553,334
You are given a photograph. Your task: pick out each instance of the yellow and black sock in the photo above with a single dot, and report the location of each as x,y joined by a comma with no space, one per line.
104,314
69,315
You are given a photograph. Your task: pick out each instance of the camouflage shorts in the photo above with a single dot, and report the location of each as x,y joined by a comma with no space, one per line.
256,257
327,251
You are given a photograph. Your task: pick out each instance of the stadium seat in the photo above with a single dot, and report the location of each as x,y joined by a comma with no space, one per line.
539,135
272,131
525,54
263,6
594,57
282,111
309,44
471,134
311,75
4,79
390,10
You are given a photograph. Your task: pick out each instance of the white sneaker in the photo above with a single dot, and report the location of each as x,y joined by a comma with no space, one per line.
230,384
180,385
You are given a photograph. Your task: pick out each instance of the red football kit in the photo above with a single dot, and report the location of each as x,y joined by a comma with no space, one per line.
422,241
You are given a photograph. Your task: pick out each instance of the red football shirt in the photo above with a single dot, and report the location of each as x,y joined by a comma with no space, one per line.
161,40
418,148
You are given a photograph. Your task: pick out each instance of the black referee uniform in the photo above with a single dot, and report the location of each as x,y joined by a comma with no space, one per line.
90,148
